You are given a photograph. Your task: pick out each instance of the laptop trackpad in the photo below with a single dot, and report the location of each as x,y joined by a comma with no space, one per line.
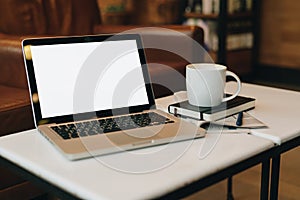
135,136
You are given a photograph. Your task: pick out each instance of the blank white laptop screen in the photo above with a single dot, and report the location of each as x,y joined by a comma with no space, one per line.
86,77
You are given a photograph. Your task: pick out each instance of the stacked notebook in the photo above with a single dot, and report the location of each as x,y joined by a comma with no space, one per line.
234,106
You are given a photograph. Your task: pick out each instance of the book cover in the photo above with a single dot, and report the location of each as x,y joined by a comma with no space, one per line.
225,109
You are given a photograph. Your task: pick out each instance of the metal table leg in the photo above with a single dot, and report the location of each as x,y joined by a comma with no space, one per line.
229,188
275,177
265,176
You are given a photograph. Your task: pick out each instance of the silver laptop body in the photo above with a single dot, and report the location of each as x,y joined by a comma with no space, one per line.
91,95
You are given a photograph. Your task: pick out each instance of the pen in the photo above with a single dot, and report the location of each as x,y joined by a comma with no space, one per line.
175,112
239,120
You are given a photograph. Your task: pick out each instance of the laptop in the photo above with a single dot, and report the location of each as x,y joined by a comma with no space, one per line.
92,95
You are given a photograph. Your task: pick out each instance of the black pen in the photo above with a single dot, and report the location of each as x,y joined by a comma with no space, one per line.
239,120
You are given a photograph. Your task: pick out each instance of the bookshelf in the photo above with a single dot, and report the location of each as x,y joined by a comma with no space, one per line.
232,31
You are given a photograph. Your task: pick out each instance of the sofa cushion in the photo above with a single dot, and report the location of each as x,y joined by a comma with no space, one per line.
15,110
71,17
22,17
54,17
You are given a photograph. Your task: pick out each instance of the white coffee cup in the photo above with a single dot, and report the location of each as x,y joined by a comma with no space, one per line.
205,84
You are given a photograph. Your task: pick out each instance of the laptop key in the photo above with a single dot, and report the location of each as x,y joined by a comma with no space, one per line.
74,135
82,134
92,132
65,137
62,132
88,128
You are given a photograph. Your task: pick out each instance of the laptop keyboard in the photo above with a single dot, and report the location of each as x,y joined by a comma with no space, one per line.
107,125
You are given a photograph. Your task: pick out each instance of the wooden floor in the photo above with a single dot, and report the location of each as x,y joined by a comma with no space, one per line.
246,185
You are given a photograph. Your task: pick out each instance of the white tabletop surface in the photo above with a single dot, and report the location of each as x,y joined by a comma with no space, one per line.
139,174
126,175
279,109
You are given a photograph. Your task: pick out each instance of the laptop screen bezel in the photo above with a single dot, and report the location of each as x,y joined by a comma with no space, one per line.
39,120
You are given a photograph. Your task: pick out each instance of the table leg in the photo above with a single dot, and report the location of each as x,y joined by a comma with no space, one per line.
229,188
265,175
275,177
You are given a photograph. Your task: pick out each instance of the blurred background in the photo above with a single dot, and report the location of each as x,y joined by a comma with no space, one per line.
259,40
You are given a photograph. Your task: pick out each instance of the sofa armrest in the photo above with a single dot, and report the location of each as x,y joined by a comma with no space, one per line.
12,70
195,32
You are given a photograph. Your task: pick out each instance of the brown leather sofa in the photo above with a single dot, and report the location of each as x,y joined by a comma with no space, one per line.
21,19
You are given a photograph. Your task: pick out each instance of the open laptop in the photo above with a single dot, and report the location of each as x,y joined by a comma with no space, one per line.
91,95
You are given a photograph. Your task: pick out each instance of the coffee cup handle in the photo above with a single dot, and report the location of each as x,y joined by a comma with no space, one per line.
229,73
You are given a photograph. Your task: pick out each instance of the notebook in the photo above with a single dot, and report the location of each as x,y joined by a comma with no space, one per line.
225,109
91,95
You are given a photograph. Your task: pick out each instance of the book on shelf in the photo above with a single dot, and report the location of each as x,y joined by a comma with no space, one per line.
233,41
207,7
202,6
236,41
239,34
235,6
225,109
210,7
